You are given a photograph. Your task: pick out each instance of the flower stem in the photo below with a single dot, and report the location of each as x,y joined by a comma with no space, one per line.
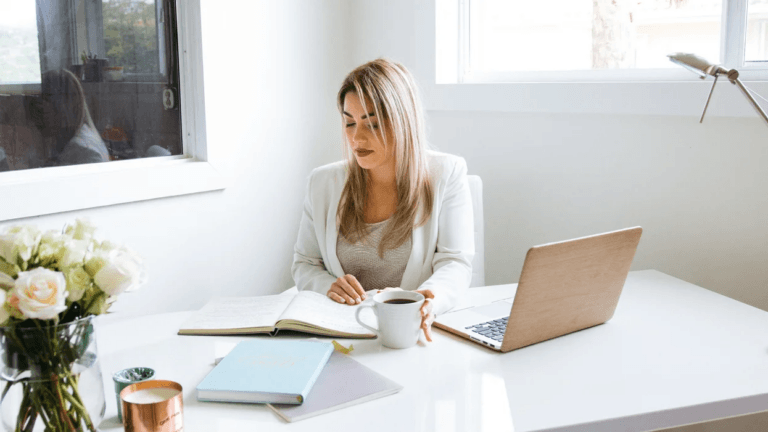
24,409
72,400
52,393
63,408
39,411
84,412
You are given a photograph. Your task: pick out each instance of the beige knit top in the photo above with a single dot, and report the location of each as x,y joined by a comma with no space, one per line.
362,260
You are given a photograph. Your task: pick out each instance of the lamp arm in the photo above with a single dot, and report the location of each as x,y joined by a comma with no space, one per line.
712,90
752,100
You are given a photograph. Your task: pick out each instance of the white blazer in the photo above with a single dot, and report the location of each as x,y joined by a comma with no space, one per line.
443,248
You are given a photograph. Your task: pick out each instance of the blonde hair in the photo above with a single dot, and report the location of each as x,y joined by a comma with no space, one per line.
64,91
392,91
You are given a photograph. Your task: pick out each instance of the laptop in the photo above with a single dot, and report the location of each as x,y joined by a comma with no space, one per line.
564,287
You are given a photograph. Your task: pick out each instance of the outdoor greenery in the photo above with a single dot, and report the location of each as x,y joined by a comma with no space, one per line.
130,35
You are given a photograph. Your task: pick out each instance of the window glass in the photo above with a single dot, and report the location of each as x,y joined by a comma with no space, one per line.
131,35
557,35
19,59
105,92
757,31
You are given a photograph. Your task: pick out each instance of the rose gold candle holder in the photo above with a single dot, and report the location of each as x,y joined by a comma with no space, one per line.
163,416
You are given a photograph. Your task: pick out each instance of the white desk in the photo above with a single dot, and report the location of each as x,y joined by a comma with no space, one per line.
673,354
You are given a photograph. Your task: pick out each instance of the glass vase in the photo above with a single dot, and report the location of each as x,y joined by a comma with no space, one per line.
50,377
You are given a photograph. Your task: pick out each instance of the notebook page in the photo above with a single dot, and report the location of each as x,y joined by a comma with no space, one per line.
226,313
320,311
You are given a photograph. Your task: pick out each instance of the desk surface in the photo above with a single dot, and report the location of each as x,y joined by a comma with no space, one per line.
673,354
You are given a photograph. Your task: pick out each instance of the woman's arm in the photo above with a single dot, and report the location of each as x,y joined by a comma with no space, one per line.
452,263
308,269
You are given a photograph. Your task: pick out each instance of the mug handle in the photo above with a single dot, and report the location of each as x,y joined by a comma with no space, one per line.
357,317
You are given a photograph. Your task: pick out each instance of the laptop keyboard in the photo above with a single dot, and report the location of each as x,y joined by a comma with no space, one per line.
492,329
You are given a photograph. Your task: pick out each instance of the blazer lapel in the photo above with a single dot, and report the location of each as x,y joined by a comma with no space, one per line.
412,274
332,233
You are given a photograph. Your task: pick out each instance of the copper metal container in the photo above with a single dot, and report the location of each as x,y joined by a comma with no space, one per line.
164,416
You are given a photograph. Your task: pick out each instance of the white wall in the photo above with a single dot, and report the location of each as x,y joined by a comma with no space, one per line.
699,191
271,73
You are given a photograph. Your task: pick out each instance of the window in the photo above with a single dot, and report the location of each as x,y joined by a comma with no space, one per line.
58,188
107,82
517,40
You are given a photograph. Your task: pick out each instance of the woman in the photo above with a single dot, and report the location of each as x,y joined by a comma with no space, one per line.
62,115
394,214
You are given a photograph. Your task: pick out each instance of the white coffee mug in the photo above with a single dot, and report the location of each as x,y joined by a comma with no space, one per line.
399,323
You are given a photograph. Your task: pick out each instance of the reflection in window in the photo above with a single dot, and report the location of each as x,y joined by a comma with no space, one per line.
106,71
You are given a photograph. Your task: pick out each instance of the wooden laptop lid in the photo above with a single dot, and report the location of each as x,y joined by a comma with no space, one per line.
569,286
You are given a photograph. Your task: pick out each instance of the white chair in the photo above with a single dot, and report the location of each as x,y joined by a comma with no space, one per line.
478,263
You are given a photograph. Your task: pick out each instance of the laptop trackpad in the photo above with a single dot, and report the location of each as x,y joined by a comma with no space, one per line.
494,310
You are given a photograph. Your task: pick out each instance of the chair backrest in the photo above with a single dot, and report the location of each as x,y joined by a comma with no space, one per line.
478,263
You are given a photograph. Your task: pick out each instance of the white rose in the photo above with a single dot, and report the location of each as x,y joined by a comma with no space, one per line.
78,281
40,293
4,314
83,229
98,256
122,271
18,242
73,253
50,244
107,246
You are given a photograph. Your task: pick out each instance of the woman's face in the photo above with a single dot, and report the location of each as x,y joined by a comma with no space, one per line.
362,130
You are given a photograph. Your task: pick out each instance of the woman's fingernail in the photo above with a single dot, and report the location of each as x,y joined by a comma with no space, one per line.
358,300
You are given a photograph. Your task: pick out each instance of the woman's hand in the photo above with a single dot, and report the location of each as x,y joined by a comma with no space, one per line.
347,290
427,317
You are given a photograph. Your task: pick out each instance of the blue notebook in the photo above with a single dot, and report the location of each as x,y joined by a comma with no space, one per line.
266,371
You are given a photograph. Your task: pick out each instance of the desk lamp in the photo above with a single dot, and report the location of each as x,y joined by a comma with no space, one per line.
703,68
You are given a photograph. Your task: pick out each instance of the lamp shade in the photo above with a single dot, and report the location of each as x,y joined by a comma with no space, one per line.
696,64
703,68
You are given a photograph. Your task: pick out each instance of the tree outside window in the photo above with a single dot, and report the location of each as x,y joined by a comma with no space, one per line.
130,35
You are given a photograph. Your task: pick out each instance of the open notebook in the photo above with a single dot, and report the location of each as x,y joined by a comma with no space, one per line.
306,311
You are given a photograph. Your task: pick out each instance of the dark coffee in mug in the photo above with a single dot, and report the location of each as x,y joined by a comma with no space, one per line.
400,301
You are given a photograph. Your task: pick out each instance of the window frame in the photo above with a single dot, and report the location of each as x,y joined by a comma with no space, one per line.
35,192
434,62
732,44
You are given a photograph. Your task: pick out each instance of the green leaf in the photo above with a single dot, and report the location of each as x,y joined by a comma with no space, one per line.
9,269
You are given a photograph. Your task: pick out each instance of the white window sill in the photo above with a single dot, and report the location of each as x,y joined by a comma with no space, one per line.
681,98
52,190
